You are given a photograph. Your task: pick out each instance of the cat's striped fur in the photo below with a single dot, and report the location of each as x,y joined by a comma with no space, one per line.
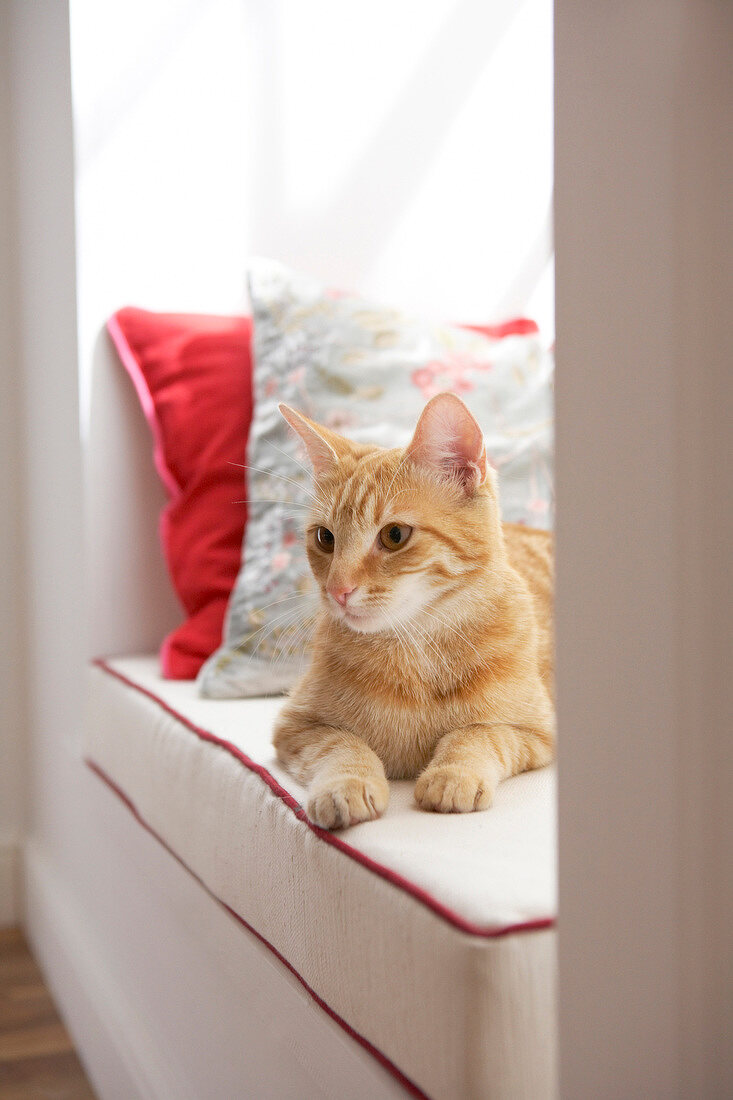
430,661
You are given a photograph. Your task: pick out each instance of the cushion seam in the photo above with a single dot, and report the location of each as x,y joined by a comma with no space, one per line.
380,1057
419,894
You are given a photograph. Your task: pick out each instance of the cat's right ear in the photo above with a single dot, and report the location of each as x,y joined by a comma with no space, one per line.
448,440
322,454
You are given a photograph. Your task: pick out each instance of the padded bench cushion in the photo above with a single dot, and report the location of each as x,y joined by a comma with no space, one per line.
429,937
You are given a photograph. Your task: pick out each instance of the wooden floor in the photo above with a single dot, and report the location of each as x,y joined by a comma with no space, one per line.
37,1058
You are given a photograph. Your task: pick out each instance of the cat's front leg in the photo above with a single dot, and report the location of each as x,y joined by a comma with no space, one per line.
469,763
345,778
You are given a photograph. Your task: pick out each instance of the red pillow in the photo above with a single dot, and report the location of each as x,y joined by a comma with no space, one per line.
193,375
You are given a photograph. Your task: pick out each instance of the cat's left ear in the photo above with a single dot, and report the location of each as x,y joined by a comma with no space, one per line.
319,442
448,440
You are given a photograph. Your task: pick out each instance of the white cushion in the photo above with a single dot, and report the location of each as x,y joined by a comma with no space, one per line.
428,936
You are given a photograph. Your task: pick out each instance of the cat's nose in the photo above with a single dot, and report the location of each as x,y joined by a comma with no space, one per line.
340,594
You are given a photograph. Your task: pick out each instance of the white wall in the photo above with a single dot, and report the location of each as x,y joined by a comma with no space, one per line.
12,574
644,169
404,150
46,454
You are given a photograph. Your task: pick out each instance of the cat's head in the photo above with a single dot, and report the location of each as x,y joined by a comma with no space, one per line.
398,535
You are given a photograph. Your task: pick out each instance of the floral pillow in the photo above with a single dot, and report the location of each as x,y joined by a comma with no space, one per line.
366,372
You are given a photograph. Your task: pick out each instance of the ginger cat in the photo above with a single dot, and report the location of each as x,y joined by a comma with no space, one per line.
432,655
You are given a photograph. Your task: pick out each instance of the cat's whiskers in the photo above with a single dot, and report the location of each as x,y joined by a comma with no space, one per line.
406,643
450,626
418,662
395,627
284,599
274,500
300,641
395,630
415,644
428,640
269,627
275,632
309,630
418,641
313,493
290,458
241,646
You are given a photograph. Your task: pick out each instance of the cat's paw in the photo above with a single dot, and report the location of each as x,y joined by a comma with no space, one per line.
347,800
449,789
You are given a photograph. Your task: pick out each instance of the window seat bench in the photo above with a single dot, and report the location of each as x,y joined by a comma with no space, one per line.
428,938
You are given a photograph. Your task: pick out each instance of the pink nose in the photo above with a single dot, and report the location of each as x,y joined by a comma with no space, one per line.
341,595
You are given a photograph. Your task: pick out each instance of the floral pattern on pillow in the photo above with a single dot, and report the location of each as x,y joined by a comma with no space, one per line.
366,372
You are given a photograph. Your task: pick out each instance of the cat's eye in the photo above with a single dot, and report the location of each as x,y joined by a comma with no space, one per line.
325,540
394,535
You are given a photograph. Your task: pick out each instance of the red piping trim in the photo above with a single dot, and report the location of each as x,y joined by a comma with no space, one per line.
397,880
406,1083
